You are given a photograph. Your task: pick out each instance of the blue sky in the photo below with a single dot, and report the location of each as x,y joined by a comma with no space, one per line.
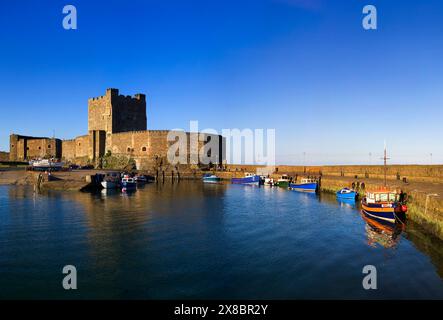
306,68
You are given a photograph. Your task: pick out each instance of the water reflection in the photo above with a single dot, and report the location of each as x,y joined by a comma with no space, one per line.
196,240
383,233
348,203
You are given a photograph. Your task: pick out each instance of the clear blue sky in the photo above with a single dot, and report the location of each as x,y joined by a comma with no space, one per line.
306,68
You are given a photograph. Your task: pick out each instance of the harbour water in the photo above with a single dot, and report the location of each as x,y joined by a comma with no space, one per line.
192,240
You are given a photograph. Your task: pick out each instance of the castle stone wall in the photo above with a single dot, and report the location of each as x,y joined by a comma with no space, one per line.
68,149
116,124
100,113
26,148
129,113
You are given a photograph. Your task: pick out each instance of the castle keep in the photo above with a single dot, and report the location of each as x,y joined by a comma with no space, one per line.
117,124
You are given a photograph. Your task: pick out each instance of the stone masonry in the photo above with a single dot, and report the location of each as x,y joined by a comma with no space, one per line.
116,124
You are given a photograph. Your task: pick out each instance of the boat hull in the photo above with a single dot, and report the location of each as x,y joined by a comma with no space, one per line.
283,184
211,180
385,212
252,180
378,223
304,187
129,185
347,196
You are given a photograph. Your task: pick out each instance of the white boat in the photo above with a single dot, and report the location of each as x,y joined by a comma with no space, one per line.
46,164
211,178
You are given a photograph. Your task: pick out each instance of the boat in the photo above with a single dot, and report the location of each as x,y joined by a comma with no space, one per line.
211,178
128,183
269,182
140,179
384,204
111,181
283,181
249,178
46,164
305,185
262,180
346,193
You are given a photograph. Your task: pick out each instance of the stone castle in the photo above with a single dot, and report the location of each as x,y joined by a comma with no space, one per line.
117,124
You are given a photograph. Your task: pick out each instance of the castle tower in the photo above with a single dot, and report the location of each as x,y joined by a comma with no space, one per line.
113,113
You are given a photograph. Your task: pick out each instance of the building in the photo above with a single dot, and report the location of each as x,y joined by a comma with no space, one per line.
117,125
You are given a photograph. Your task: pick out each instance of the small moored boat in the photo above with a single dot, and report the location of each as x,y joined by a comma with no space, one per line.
305,185
140,179
283,181
128,183
347,194
46,164
384,204
211,178
249,178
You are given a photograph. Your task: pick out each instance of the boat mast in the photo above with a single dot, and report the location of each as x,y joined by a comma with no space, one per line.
385,158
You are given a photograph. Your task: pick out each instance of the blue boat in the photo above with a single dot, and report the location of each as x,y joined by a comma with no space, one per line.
211,178
305,185
347,194
249,178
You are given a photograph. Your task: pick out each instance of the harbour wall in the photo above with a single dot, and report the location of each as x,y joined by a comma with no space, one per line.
4,156
423,173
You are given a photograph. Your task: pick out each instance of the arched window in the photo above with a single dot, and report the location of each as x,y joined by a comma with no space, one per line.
49,146
144,149
129,149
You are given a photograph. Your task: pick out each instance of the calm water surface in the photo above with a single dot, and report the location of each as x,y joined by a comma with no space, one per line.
191,240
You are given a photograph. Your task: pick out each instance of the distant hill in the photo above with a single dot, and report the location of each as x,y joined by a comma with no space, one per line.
4,156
